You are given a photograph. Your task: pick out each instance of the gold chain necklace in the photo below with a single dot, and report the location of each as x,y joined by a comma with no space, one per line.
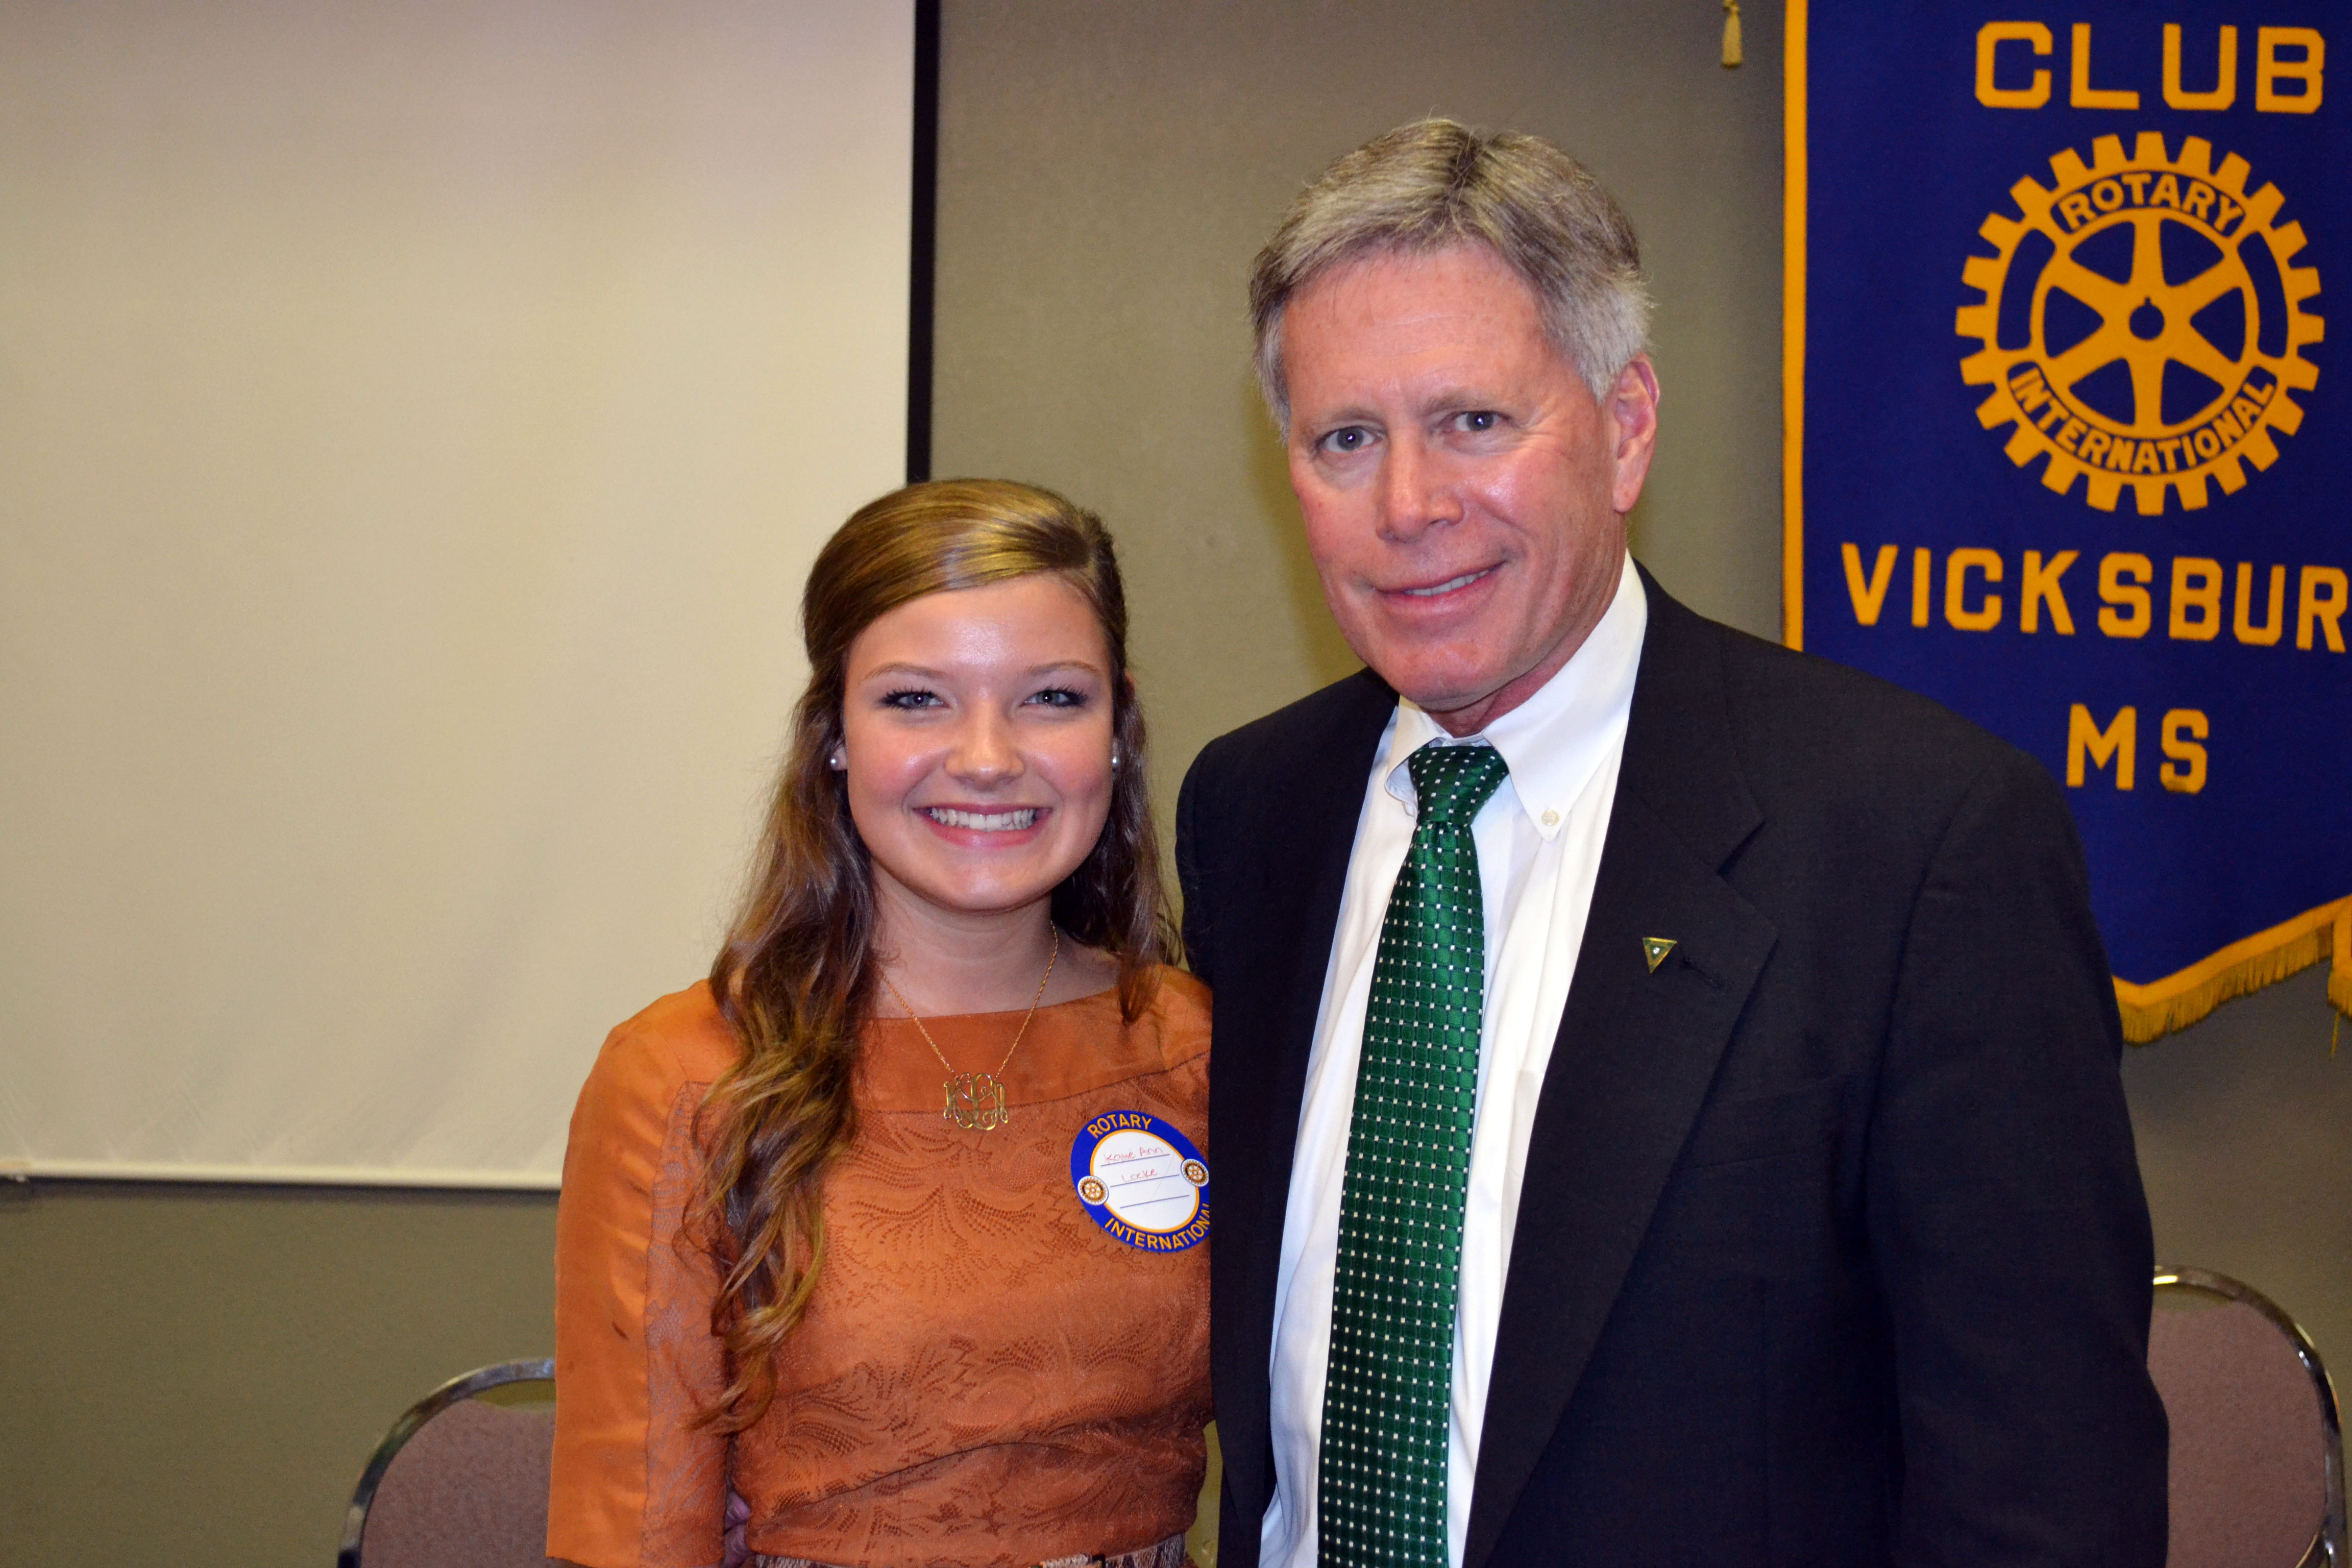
976,1099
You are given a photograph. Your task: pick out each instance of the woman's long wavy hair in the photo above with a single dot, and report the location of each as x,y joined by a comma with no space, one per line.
796,974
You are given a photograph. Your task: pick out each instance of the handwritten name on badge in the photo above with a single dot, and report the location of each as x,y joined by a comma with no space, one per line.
1142,1181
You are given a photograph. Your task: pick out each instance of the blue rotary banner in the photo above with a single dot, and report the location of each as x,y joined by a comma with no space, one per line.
2066,452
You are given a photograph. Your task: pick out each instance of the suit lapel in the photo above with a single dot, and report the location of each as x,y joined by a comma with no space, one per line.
1637,1051
1265,1032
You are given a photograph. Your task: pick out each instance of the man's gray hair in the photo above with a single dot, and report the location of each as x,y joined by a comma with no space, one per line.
1433,184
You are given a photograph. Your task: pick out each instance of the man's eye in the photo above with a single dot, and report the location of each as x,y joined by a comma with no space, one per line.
1477,420
1354,438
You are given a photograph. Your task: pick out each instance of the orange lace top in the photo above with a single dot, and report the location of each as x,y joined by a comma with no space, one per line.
985,1376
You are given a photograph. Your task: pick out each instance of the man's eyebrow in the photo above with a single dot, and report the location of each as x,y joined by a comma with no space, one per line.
1446,400
1456,398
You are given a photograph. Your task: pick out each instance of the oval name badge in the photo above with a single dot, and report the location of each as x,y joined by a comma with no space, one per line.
1142,1181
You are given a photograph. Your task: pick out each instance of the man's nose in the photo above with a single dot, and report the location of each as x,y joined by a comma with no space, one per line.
1415,494
983,751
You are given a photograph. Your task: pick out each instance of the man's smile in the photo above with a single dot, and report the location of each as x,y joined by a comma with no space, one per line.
1450,585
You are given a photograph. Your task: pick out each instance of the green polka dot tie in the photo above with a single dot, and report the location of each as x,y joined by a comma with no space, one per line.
1383,1471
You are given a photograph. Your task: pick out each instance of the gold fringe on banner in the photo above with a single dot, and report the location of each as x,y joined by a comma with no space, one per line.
2177,1001
1732,54
2339,974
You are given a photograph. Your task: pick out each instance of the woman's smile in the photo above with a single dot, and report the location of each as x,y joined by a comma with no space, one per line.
986,827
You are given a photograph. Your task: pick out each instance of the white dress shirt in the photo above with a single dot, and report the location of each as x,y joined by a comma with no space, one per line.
1538,843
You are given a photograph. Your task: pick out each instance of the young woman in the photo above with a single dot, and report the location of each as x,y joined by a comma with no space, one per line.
881,1247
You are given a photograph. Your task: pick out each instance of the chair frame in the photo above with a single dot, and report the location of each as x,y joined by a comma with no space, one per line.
2328,1547
457,1389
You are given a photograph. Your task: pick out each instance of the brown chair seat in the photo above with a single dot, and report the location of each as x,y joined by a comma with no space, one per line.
458,1482
2257,1453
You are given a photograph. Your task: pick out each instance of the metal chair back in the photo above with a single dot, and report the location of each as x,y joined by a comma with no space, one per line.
2257,1446
458,1482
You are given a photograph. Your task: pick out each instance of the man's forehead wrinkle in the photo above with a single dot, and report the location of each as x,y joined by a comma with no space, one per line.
1437,321
1415,377
1422,314
1351,280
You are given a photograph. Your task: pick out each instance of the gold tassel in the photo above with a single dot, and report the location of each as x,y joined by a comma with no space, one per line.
1731,52
2339,974
2151,1012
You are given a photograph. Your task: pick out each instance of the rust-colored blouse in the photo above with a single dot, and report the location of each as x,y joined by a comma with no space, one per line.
985,1376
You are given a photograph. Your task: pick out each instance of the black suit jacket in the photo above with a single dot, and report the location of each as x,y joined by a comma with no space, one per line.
1831,1247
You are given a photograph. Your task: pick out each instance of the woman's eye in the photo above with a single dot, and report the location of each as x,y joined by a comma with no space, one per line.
909,699
1060,697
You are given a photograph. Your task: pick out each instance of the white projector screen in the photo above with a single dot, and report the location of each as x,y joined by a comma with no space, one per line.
416,423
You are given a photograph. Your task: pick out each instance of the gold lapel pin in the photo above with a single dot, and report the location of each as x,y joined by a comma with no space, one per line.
1655,949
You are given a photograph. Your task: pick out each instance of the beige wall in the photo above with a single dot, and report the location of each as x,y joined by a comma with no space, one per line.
193,1377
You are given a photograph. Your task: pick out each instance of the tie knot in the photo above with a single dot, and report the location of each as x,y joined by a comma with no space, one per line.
1451,782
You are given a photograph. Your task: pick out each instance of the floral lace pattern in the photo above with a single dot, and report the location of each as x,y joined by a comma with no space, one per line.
985,1376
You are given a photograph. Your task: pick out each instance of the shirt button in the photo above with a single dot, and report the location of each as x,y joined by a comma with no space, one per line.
1551,819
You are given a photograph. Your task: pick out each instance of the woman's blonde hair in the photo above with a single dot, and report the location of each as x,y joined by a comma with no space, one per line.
796,974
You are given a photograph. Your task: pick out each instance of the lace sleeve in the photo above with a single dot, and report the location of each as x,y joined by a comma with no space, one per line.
636,1483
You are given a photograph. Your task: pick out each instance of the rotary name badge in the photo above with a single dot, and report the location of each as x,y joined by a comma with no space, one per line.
1142,1181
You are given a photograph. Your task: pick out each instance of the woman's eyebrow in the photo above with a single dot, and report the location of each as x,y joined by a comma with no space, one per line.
899,669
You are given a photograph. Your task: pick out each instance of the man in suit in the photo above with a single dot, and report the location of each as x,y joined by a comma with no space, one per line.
1666,1104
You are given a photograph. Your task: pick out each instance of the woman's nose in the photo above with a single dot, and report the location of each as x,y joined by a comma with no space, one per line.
983,751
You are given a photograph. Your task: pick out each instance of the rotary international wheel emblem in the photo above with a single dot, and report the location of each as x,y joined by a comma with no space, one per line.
2143,324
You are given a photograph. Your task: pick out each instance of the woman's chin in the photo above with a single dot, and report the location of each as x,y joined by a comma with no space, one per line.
957,891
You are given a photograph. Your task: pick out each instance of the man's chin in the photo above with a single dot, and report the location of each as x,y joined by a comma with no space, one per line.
1443,690
1461,693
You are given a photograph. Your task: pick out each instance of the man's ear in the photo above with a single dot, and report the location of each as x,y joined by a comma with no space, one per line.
1629,415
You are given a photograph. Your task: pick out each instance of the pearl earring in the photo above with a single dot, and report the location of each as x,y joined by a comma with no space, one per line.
836,762
1114,759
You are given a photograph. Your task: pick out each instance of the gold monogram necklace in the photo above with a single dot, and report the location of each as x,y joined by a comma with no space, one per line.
976,1099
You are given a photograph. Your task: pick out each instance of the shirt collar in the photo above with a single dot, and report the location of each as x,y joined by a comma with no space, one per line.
1556,739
